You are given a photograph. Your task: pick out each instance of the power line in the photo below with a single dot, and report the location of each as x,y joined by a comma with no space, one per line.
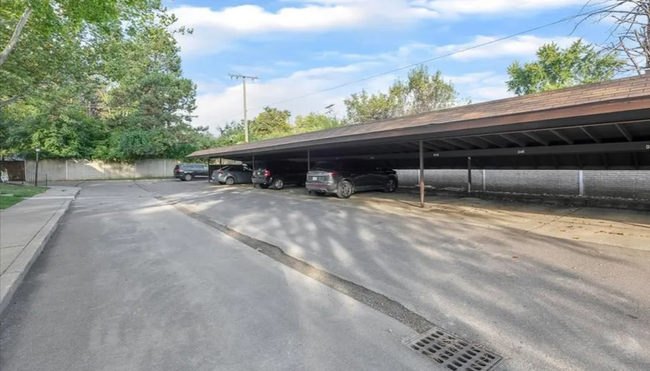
477,46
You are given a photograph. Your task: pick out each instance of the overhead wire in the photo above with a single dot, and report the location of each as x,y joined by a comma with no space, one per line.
426,61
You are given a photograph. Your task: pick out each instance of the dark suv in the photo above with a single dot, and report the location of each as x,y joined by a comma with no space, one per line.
190,171
349,176
277,174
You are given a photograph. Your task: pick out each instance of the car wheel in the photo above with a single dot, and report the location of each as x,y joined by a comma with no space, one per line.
278,183
345,189
230,180
391,185
187,177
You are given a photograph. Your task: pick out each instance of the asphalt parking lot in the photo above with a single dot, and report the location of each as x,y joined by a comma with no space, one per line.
160,275
547,287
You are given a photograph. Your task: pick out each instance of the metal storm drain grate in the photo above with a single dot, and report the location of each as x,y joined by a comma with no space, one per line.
452,352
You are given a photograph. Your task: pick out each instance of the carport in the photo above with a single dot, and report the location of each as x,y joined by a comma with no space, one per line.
593,127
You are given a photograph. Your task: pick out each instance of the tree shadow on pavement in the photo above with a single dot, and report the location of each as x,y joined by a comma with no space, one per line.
539,301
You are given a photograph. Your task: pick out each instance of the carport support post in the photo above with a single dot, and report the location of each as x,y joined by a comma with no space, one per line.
469,175
421,174
253,164
581,183
308,160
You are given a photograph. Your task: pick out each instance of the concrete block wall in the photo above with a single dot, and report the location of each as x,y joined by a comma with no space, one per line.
555,182
618,183
50,167
452,180
632,184
57,170
117,170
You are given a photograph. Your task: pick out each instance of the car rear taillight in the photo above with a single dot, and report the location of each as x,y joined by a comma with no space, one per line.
220,172
332,173
267,173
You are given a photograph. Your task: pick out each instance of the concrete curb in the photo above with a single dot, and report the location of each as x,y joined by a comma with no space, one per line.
16,272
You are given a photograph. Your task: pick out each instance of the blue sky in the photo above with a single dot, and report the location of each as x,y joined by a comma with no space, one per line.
301,47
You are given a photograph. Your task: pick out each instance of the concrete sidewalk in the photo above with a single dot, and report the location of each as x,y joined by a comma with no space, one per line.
25,228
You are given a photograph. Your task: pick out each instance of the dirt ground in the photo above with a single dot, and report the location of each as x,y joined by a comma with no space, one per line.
614,227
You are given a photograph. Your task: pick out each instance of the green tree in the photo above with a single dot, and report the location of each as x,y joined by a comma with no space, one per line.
37,38
140,83
420,92
557,68
316,121
271,122
230,134
105,86
364,107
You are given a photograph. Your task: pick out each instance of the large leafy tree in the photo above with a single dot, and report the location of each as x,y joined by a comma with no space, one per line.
271,122
316,121
557,68
364,107
231,134
106,86
420,92
40,39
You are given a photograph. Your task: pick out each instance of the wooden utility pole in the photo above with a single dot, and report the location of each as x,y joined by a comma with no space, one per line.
243,78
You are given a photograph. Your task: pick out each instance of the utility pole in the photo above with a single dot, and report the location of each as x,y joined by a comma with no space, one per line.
330,110
243,78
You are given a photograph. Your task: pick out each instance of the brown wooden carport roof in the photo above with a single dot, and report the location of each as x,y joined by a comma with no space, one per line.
607,117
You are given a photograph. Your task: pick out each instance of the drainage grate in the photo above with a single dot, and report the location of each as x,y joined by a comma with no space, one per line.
452,352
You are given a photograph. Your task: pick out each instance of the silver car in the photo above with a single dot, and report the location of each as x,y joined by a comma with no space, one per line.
233,174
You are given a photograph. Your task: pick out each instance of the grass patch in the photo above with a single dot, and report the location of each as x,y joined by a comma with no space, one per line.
18,193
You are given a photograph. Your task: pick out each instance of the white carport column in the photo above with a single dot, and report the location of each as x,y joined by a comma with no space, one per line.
581,183
421,174
469,175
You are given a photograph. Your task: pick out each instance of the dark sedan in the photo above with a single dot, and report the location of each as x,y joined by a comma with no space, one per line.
190,171
277,174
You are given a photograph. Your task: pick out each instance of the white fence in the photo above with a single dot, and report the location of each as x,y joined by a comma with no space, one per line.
57,170
630,184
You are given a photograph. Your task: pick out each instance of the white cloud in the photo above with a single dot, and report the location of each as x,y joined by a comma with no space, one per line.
253,18
216,29
216,106
481,86
500,7
518,46
469,78
487,93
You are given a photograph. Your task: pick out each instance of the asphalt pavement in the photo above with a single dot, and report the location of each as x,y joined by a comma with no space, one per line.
25,229
542,302
129,282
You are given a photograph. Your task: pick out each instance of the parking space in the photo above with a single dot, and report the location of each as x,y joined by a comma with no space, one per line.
614,227
542,285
